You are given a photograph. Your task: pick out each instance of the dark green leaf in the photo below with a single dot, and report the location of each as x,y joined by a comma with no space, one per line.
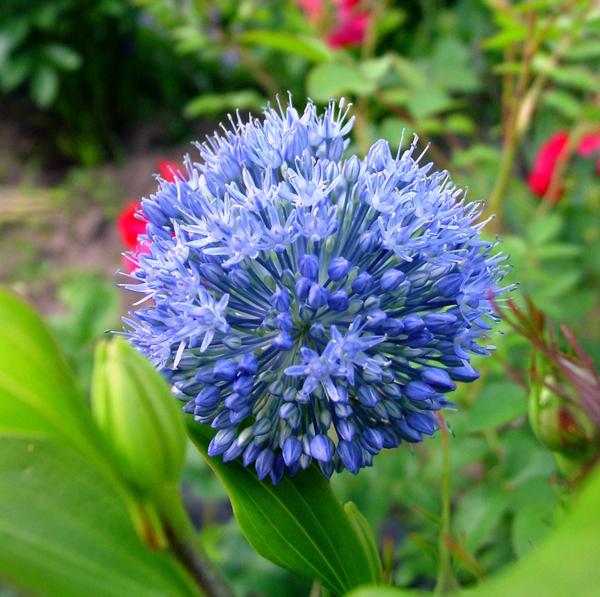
298,524
64,531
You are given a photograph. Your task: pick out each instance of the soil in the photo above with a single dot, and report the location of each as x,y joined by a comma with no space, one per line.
56,221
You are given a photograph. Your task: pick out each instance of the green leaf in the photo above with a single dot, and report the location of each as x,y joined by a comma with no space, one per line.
376,68
450,66
460,124
576,77
565,563
393,129
478,514
530,526
428,101
332,79
63,57
311,48
12,34
38,396
563,102
497,404
44,86
505,38
298,524
367,537
544,229
64,532
211,104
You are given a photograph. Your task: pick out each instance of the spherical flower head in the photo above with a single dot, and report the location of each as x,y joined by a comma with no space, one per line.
311,307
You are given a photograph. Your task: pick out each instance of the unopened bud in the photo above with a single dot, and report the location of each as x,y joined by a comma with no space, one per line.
558,424
138,416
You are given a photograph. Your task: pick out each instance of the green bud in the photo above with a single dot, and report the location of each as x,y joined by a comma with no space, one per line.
138,416
562,426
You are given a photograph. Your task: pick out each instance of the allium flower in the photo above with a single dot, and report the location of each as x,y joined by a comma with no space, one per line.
550,153
307,306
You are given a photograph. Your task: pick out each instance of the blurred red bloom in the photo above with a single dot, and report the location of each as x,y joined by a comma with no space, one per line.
550,153
169,170
131,222
350,22
130,226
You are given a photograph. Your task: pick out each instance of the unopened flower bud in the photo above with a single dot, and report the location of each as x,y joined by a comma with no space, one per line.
137,415
558,424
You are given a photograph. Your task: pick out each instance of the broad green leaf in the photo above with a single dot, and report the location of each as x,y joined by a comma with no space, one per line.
38,396
497,404
216,103
63,530
332,79
298,524
565,563
304,46
44,85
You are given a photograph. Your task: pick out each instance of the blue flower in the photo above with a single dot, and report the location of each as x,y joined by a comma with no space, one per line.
312,308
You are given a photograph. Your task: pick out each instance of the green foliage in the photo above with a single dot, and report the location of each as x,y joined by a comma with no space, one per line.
565,563
297,524
65,529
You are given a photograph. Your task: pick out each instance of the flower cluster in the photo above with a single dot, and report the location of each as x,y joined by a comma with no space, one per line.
310,307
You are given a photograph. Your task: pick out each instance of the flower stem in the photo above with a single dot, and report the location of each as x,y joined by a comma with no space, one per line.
446,581
185,546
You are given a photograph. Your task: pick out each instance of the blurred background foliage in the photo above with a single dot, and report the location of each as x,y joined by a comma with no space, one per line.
94,94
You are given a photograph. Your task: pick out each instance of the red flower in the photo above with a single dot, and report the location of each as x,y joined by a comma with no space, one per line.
169,170
350,22
548,156
130,226
131,222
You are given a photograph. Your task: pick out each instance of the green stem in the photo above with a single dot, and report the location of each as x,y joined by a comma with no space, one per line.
184,543
446,582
